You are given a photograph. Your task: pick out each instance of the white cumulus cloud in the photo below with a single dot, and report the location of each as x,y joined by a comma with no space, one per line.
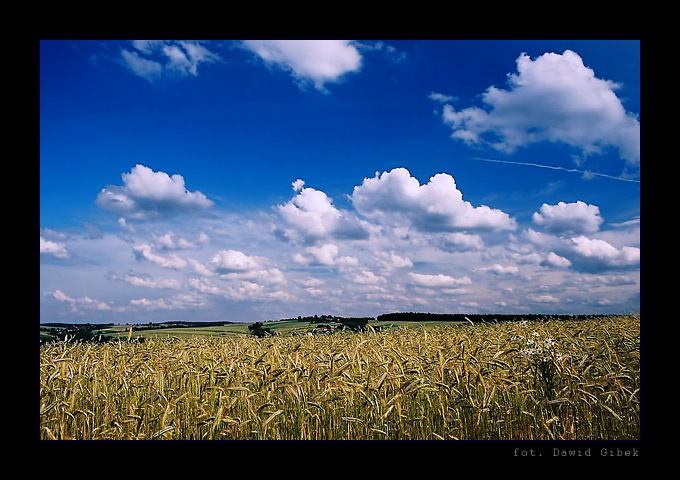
553,98
140,280
312,214
391,260
437,280
230,261
497,269
367,277
146,194
326,254
395,197
144,251
555,260
170,241
177,302
77,304
543,298
459,242
569,218
309,61
53,248
595,254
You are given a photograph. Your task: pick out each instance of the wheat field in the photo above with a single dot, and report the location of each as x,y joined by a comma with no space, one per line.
550,380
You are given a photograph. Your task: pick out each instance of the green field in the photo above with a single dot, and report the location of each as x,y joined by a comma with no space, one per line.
542,380
280,327
285,327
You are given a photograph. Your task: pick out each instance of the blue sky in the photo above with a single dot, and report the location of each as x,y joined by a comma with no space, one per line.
250,180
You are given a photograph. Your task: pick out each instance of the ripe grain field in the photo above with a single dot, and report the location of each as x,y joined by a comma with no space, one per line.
549,380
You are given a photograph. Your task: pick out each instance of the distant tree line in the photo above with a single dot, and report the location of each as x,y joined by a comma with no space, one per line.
352,323
316,318
475,318
334,319
180,324
77,332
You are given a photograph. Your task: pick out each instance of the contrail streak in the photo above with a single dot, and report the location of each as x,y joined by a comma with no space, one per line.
552,167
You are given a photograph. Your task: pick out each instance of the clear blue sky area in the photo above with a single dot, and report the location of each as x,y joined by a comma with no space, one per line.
256,180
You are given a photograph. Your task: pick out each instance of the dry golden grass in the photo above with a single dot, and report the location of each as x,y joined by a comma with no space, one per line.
447,382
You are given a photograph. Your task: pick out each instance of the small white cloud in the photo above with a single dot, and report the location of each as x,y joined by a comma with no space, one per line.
609,280
123,223
438,280
149,70
176,302
62,297
543,298
144,252
149,304
498,269
596,255
146,194
326,254
569,218
391,260
79,304
310,282
347,261
199,268
298,184
460,242
204,286
555,260
262,276
367,277
231,261
542,240
55,249
54,235
154,58
147,47
394,55
169,241
441,97
634,223
185,57
139,280
309,61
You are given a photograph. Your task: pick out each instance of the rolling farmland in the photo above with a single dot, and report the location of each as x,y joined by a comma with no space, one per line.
513,380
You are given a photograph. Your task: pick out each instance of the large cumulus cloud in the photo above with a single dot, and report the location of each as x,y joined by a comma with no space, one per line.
395,197
553,98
